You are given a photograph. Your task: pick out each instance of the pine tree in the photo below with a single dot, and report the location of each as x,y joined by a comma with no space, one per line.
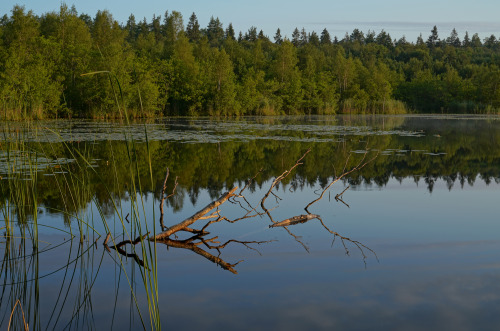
313,39
453,39
433,39
155,27
303,37
261,36
466,42
215,32
193,29
402,41
296,37
476,41
490,42
420,40
383,38
370,37
230,32
325,37
357,35
131,27
251,35
173,25
277,37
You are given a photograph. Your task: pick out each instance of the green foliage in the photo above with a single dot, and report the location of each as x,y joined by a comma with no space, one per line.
29,84
164,68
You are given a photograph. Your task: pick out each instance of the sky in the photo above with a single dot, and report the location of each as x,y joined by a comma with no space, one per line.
408,18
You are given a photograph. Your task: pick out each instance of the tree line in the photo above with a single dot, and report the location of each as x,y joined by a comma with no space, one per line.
66,64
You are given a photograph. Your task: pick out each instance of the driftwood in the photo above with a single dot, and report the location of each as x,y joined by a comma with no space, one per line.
187,222
295,220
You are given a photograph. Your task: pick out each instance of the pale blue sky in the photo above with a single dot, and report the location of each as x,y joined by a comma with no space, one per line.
399,18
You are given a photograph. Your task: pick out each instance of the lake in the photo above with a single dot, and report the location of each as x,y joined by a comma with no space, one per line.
390,223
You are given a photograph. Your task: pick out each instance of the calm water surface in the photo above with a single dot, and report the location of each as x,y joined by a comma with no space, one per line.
416,235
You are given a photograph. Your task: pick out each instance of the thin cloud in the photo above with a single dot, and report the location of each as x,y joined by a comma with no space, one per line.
473,26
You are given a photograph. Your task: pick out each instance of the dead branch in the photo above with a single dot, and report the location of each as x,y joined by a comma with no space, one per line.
278,179
163,190
338,197
163,197
198,232
250,181
292,221
187,222
295,220
358,167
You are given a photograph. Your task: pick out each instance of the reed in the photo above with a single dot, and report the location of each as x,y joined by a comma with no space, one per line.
20,208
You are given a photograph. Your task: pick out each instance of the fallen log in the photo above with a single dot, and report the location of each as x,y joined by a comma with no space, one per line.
188,221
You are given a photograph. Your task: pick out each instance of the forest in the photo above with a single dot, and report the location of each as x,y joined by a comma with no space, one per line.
65,64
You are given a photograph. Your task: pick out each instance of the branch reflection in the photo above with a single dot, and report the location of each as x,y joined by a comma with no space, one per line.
200,243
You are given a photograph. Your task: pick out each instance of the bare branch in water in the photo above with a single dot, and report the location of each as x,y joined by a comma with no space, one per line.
278,179
250,181
338,197
359,166
212,213
294,220
163,197
187,222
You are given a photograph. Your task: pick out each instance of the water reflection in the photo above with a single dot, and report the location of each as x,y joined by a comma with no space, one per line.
465,151
75,285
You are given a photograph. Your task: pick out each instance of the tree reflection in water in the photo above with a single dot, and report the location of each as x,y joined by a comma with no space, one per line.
213,211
